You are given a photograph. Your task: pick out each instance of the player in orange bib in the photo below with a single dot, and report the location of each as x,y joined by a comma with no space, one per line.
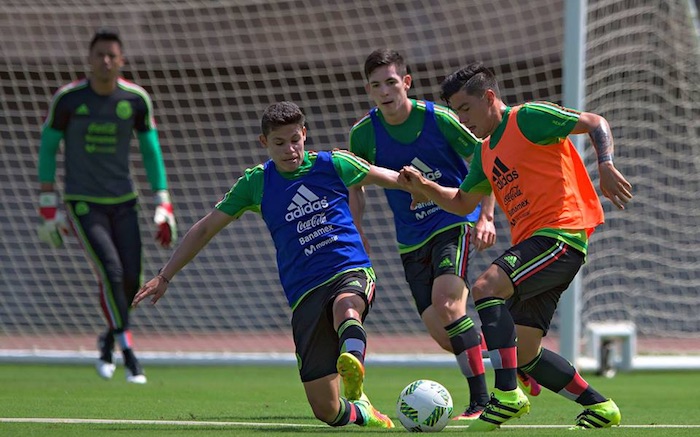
540,182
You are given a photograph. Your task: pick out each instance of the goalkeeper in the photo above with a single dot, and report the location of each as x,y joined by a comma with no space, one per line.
325,272
528,161
96,117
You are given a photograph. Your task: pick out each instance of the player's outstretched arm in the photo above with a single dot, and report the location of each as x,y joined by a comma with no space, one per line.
384,177
613,184
195,240
450,199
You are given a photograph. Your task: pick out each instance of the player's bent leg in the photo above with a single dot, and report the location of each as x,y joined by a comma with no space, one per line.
503,406
323,397
352,372
601,415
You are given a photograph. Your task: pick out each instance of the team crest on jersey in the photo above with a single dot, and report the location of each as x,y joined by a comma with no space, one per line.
124,110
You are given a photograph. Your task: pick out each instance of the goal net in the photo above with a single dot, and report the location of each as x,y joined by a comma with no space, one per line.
213,66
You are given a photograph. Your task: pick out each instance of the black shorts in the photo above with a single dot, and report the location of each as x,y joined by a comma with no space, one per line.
445,253
541,269
315,339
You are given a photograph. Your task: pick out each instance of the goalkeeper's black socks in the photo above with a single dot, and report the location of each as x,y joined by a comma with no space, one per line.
105,345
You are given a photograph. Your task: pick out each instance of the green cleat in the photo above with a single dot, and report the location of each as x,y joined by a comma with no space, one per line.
503,406
353,373
601,415
372,417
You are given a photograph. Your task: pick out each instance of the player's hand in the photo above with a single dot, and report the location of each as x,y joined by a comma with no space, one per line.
156,287
166,232
484,234
613,185
411,179
54,224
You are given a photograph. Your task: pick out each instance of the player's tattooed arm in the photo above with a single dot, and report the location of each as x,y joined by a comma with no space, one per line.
602,141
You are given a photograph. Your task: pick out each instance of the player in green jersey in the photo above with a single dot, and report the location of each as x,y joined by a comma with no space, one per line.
96,118
542,185
435,246
326,274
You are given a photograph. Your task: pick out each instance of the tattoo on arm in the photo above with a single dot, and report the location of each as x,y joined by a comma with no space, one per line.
602,142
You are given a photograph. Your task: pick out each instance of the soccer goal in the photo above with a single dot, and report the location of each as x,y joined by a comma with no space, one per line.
212,67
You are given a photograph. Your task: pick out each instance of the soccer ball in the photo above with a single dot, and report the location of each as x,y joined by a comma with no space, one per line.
424,406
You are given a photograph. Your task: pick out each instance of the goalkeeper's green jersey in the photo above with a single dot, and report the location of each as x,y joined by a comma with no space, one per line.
97,132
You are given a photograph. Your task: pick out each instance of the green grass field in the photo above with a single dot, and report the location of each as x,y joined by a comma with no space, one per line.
269,400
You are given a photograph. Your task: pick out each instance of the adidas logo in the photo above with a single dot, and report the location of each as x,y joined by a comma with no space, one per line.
355,283
511,260
428,172
304,202
446,263
82,110
502,175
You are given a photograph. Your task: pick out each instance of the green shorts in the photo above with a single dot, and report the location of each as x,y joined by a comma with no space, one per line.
315,339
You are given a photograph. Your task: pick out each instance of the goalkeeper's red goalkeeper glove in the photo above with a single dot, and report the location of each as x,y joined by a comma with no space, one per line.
54,225
166,234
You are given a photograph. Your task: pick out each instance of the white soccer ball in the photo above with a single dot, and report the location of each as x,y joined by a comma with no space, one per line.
424,406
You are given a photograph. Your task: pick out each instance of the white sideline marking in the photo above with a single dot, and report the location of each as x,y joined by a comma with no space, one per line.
293,425
147,422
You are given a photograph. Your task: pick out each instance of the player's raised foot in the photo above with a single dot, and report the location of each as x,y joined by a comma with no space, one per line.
134,371
105,369
502,407
601,415
528,384
352,371
472,412
372,418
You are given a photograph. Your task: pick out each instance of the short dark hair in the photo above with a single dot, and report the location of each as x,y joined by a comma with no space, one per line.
281,114
474,79
105,34
384,57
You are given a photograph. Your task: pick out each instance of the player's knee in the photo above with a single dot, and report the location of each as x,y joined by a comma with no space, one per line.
485,286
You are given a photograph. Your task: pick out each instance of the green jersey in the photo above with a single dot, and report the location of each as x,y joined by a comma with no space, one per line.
246,194
541,123
97,132
363,138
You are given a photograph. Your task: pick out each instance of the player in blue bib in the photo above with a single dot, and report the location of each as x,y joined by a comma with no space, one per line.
324,269
435,245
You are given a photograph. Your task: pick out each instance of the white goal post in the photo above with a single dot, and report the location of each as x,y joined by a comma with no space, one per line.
212,67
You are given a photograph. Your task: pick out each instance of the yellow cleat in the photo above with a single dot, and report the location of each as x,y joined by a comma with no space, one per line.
602,415
353,373
502,407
